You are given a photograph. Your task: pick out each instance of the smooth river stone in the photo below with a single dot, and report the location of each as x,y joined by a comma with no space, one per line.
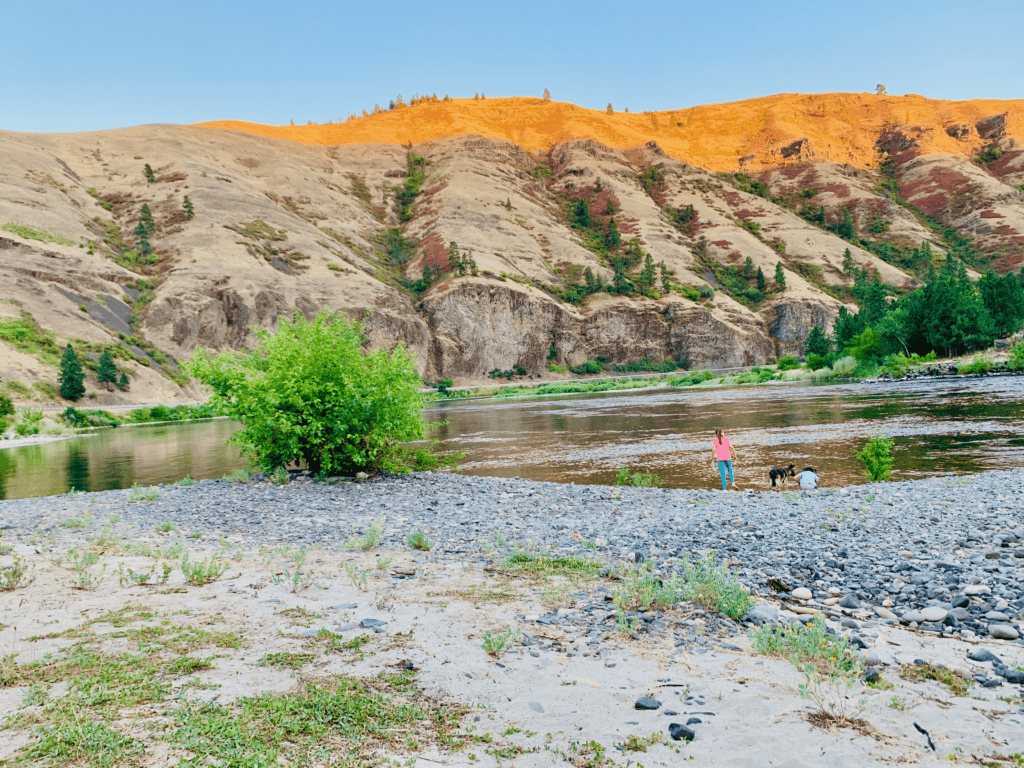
802,593
1003,631
934,613
977,589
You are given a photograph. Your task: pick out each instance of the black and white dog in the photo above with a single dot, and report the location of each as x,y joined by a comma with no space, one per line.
781,475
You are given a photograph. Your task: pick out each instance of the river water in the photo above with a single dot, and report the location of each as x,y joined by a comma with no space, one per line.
940,427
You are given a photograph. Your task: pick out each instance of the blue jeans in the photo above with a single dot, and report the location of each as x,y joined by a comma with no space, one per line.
722,466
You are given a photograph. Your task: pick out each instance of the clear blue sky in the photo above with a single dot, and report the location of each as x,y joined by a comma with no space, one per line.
68,66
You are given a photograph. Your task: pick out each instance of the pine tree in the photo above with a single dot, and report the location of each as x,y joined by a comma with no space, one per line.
748,268
148,171
581,215
647,274
817,342
613,238
592,283
610,110
122,383
780,276
849,265
761,282
666,283
189,210
146,218
846,230
72,377
547,95
455,261
106,371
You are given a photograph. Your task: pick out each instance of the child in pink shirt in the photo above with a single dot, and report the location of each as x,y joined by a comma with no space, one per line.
723,453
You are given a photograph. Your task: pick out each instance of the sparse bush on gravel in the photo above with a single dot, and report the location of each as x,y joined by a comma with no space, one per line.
310,393
143,494
370,538
642,588
1015,361
419,540
239,476
708,583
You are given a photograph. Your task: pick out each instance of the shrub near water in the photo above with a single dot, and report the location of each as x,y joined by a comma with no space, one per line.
876,456
309,393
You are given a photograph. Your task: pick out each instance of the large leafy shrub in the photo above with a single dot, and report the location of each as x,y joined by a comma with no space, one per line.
309,393
876,456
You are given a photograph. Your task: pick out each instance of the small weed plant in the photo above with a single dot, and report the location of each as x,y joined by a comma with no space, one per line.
81,563
239,476
295,578
200,572
708,583
496,645
186,481
418,540
143,494
18,574
357,576
371,537
642,588
829,664
164,527
953,680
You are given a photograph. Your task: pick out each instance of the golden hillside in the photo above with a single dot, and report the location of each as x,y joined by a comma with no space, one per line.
841,127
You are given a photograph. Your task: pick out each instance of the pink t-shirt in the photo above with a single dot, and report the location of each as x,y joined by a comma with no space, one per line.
722,450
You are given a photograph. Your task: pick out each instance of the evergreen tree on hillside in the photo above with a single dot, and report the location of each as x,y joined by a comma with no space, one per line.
189,210
666,283
647,275
122,383
72,377
581,215
849,265
610,110
148,172
817,342
761,282
146,219
780,276
845,229
547,95
613,239
106,370
748,269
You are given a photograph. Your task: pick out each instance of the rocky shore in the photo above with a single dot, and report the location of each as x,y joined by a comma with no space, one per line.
923,578
944,555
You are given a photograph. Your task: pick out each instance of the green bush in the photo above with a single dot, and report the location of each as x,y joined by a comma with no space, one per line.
980,364
787,363
816,361
876,456
638,479
591,366
310,393
6,408
1015,362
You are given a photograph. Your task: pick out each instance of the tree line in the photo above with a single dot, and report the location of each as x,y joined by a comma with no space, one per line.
949,315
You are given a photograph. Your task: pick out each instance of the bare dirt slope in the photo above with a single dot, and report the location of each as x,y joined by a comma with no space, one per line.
311,218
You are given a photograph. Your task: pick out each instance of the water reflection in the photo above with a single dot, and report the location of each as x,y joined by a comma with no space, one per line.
939,427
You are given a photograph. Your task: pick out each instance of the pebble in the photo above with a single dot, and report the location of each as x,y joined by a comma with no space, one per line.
802,593
646,702
680,732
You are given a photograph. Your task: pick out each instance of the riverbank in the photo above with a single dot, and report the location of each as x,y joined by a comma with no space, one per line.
409,625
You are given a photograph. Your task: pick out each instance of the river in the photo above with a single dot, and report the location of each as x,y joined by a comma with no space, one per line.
939,427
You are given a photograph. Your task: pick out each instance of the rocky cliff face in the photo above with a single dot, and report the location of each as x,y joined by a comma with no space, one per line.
280,226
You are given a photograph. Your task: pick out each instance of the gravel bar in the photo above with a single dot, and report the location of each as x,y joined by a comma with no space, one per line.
945,554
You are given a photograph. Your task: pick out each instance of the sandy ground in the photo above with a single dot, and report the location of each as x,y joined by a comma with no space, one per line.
538,705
